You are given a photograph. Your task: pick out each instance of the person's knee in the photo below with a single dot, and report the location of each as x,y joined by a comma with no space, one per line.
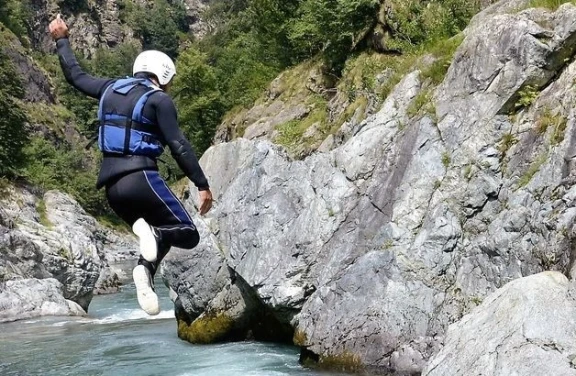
191,240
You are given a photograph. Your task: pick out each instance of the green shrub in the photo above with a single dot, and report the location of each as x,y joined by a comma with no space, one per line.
419,22
313,29
526,97
532,170
13,14
158,24
65,168
13,134
198,98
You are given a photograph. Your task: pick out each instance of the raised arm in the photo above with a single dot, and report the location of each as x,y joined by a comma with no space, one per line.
181,149
89,85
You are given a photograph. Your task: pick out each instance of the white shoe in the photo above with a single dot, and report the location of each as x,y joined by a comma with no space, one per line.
148,245
147,298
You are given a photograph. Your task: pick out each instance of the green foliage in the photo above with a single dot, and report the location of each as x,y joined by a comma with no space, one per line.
198,98
313,29
559,130
159,24
423,101
63,167
13,15
241,71
508,140
115,62
446,159
526,97
42,214
468,172
532,170
256,39
555,121
421,22
13,134
443,50
112,221
291,134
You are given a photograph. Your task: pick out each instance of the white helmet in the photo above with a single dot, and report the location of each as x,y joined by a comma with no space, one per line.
157,63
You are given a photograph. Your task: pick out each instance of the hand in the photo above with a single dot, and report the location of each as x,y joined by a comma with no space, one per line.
58,28
205,201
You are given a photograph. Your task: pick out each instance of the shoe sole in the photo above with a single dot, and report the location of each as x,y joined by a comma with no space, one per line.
147,298
148,246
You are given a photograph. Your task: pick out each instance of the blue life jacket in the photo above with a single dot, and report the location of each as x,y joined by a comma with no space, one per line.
123,128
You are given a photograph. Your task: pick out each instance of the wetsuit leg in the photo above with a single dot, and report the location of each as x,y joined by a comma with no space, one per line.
144,194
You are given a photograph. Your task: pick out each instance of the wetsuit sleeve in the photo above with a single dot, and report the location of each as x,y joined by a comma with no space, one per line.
180,147
89,85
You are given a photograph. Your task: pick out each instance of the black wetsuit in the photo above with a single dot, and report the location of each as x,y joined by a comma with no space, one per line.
134,188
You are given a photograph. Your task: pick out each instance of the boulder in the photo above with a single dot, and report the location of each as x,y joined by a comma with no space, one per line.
528,327
27,298
53,238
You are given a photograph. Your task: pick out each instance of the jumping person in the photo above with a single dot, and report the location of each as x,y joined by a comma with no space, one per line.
136,120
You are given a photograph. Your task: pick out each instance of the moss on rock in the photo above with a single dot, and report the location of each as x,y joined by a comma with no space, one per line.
300,338
206,329
344,362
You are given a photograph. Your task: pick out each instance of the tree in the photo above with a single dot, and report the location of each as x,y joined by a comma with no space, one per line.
332,26
198,98
13,133
159,26
12,15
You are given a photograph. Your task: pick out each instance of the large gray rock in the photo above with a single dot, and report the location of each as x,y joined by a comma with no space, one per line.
372,250
52,238
528,327
212,302
28,298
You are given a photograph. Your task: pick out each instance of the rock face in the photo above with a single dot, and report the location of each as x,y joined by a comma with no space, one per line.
55,248
525,328
370,251
194,10
26,298
97,23
94,23
36,84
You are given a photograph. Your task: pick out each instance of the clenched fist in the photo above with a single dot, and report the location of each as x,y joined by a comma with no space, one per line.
58,28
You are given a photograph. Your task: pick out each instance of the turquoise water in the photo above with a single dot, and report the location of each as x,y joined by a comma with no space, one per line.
117,338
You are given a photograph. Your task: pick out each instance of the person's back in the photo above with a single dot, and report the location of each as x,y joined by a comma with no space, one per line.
137,119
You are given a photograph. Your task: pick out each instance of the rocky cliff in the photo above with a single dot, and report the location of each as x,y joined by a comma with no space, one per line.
52,254
367,252
98,23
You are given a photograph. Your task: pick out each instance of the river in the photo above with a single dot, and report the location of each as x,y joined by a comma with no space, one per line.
117,338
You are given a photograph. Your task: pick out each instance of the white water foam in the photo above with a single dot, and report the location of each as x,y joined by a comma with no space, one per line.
124,315
134,314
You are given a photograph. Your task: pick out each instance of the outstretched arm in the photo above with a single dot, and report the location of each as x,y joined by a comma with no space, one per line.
89,85
182,150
